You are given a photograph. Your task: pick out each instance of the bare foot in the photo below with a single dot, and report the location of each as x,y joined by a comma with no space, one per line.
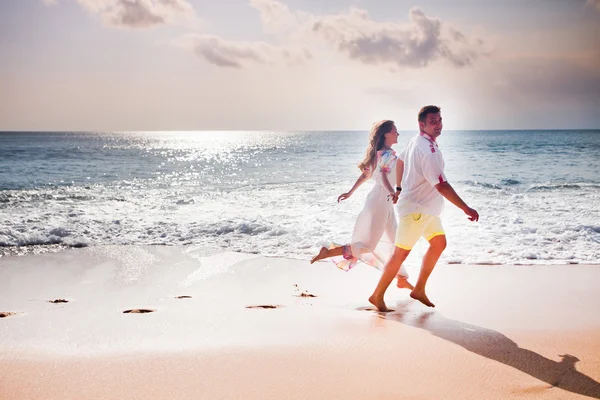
422,297
403,283
378,303
322,254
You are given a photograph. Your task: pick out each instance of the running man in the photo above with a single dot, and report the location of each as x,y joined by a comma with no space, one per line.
421,201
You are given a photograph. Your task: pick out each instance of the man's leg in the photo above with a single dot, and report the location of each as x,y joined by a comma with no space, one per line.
389,273
437,244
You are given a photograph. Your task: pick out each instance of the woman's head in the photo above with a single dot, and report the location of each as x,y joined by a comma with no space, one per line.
383,135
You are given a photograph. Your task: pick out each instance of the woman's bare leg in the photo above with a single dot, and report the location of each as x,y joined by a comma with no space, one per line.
390,236
403,283
326,253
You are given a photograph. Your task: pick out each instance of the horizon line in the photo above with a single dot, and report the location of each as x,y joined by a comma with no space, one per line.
283,130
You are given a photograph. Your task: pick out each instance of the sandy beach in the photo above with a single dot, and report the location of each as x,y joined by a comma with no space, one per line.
241,326
170,168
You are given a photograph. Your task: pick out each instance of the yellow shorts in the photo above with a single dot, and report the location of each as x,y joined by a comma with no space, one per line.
412,226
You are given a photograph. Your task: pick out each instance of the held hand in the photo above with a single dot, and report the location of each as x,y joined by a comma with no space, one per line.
473,215
395,197
344,196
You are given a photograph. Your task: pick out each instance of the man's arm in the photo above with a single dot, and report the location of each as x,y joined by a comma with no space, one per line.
446,190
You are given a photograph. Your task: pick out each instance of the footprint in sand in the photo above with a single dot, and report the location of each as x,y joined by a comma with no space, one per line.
138,311
183,297
57,301
4,314
265,306
303,294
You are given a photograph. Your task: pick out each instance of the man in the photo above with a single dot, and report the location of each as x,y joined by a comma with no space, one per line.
420,169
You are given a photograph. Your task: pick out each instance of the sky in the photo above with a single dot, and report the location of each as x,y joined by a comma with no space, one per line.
131,65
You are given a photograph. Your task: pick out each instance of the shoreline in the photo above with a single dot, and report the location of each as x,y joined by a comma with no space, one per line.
39,249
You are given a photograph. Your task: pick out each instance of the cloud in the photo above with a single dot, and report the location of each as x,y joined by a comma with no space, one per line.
137,14
354,34
593,3
230,54
50,2
276,17
418,44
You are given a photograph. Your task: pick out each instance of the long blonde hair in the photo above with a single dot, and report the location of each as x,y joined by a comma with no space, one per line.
376,142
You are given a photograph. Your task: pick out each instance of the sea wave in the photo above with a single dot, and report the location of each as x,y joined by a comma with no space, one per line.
562,186
485,185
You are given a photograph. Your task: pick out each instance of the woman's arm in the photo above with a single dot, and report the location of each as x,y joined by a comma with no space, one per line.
399,173
386,181
361,179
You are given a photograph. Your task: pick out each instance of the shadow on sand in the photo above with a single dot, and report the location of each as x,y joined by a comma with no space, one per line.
496,346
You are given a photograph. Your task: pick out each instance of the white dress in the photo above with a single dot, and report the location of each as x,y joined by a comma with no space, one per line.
375,227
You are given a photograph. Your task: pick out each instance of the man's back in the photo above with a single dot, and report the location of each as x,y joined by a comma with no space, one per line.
423,169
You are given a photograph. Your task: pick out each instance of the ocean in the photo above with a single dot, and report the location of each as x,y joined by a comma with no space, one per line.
275,193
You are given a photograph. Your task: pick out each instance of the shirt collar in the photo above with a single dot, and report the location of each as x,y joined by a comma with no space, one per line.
426,136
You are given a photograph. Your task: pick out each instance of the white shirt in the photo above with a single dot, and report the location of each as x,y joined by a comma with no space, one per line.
423,169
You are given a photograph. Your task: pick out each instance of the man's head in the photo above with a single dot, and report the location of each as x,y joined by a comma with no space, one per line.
430,120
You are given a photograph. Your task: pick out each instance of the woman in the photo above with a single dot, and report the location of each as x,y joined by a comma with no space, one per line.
375,227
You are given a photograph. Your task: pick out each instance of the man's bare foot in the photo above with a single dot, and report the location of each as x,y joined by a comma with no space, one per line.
378,303
322,254
422,297
403,283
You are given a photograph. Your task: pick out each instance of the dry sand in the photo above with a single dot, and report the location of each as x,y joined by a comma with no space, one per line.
234,326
